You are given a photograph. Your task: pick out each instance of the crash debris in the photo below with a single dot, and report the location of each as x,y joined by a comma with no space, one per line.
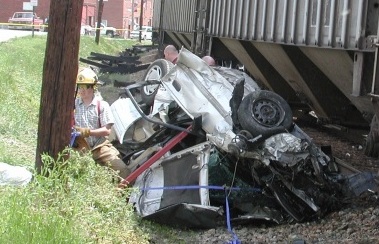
240,154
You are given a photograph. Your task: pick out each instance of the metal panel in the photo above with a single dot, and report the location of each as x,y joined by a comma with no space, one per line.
245,20
305,17
322,23
178,15
255,17
294,19
157,13
238,23
347,24
332,27
345,11
284,22
222,17
263,21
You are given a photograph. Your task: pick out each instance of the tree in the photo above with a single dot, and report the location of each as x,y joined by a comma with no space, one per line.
59,74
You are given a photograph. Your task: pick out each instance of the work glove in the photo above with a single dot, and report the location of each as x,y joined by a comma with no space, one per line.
84,132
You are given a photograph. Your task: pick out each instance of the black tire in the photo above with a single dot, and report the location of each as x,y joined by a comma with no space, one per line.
155,71
264,113
110,34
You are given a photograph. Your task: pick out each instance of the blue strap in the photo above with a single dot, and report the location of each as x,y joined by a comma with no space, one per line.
228,224
73,137
197,187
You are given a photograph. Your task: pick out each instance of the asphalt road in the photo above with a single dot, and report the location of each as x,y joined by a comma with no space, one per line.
5,34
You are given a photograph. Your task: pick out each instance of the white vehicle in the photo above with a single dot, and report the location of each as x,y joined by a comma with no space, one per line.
105,30
146,33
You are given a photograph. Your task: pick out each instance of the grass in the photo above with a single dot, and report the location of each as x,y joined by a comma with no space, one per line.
78,202
21,66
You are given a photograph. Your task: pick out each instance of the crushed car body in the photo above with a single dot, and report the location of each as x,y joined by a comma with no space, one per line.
241,155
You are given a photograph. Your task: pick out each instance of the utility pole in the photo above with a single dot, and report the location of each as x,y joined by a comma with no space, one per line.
132,15
34,10
99,16
161,33
34,3
140,21
60,68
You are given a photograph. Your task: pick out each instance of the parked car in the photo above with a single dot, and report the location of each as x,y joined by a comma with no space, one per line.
146,33
25,21
106,30
206,142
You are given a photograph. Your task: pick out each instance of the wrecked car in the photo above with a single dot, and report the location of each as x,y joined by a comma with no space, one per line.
206,142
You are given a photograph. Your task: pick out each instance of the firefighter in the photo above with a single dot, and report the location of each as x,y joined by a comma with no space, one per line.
94,119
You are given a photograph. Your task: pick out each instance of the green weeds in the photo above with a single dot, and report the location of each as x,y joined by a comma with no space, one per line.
78,202
21,67
74,202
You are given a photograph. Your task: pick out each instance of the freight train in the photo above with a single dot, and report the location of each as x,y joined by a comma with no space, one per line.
319,55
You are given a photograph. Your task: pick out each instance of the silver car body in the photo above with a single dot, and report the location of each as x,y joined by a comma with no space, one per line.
173,189
149,199
199,90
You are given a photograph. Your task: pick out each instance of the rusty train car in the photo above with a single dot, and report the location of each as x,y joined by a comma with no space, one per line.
319,55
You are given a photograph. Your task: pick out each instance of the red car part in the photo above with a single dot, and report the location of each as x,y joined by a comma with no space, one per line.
125,182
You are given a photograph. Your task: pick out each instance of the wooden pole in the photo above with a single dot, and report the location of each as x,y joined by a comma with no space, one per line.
140,21
99,16
58,81
34,10
132,16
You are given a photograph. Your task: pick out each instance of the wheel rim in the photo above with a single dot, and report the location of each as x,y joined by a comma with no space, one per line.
154,73
267,113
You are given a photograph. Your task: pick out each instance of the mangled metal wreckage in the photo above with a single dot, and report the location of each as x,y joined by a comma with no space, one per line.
239,154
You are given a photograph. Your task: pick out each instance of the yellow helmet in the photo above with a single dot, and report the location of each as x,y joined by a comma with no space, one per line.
86,76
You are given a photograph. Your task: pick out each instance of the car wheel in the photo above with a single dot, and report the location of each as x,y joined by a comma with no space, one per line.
110,34
155,71
264,113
